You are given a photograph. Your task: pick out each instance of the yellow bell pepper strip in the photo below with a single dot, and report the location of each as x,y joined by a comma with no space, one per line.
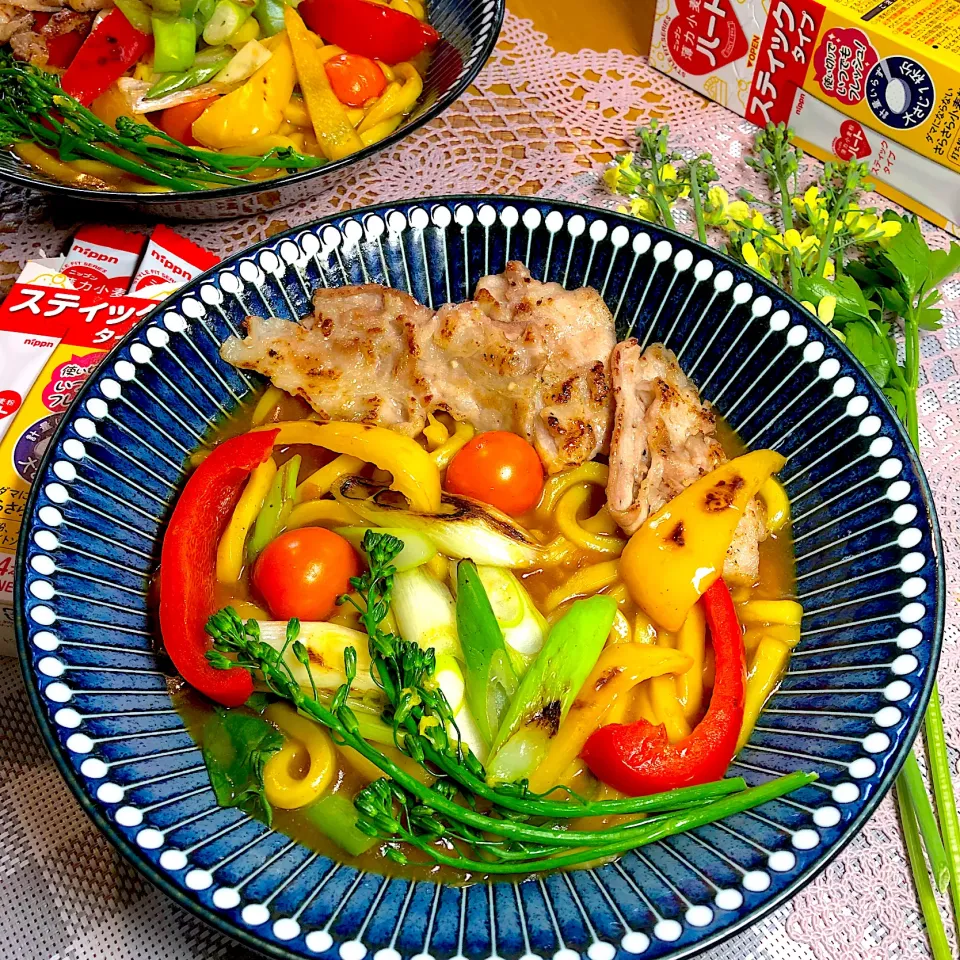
691,640
777,502
679,552
397,99
620,668
255,109
787,612
383,129
462,435
324,513
767,667
665,701
321,481
414,473
584,583
230,552
271,397
333,128
283,789
48,164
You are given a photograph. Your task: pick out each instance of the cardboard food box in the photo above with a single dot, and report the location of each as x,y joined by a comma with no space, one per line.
876,80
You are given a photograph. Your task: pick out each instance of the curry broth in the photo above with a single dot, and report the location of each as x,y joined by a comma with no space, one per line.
776,580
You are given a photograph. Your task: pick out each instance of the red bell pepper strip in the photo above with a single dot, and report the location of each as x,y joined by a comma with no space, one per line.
188,563
111,49
61,47
637,758
368,29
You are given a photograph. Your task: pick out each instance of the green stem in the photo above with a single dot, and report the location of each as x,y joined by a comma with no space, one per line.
786,211
641,836
697,200
938,762
911,337
921,880
538,807
431,798
658,196
911,781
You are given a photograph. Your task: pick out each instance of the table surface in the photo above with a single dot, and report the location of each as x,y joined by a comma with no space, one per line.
558,99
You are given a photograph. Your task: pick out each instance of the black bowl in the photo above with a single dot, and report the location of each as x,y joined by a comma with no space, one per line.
469,29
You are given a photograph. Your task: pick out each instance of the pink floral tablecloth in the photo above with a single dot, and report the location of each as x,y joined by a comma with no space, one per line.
536,121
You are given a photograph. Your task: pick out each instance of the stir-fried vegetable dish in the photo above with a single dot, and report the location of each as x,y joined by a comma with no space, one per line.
160,95
478,590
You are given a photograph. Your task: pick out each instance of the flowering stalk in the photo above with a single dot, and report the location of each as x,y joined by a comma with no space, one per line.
863,275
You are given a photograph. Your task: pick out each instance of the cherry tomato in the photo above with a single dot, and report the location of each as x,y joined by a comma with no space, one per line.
498,468
302,572
177,122
355,79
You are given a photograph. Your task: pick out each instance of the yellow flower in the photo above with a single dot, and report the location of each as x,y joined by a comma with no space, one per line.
792,239
611,177
889,229
827,308
829,270
824,311
643,208
759,262
669,172
716,207
718,198
738,210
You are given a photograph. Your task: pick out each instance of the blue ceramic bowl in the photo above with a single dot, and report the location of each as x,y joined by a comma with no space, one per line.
469,31
868,563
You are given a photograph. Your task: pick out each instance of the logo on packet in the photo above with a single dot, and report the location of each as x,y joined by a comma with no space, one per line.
705,35
10,402
66,380
32,445
852,144
900,92
841,64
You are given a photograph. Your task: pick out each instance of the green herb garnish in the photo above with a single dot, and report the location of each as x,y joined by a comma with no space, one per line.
400,809
34,109
236,747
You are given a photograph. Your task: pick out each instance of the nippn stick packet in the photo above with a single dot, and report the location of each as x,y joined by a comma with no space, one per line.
81,329
103,260
169,262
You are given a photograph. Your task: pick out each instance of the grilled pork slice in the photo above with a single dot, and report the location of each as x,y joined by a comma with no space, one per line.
522,356
27,41
664,438
528,357
353,359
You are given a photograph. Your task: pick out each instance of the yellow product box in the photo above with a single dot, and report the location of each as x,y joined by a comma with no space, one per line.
65,333
876,80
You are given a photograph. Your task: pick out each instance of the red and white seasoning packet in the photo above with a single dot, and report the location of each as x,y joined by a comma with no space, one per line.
102,260
169,262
